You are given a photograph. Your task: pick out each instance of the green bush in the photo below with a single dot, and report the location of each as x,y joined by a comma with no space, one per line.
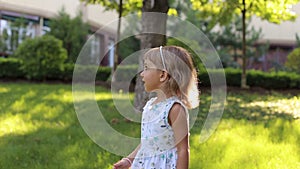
293,60
103,73
273,80
40,56
125,73
255,78
295,80
86,73
10,68
233,76
83,72
203,78
67,73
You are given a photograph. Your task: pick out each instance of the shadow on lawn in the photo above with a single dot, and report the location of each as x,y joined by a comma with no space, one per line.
254,132
52,148
254,108
51,136
58,140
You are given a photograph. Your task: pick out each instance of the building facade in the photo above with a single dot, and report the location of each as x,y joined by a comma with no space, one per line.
280,39
38,13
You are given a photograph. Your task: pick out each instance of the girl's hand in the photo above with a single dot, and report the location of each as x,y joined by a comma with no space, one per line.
122,164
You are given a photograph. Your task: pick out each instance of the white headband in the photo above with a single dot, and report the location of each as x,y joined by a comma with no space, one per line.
162,57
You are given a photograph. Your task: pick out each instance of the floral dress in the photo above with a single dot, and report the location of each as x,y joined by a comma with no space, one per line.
157,150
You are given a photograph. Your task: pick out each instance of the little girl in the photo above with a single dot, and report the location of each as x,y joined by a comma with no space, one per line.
170,74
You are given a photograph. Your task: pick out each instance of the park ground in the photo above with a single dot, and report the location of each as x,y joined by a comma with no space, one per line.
39,129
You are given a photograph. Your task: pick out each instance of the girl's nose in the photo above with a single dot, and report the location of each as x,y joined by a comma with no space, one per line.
142,73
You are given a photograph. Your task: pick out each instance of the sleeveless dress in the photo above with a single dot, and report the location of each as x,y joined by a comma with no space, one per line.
158,149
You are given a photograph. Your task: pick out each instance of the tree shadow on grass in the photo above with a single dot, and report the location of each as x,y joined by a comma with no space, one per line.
252,122
256,129
253,106
51,148
58,140
48,133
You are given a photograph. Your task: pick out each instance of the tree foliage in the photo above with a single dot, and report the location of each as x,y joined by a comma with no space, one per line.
71,31
228,41
128,5
222,11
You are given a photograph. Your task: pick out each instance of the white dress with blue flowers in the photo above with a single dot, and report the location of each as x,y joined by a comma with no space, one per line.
157,150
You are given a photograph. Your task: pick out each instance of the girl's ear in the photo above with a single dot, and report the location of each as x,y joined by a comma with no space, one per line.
163,76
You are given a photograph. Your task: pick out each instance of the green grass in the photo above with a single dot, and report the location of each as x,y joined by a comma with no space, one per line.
39,129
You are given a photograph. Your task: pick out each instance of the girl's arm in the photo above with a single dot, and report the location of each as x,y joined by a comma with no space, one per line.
179,121
124,164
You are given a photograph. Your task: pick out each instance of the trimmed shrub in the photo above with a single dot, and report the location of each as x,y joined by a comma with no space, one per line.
67,73
255,78
273,80
203,78
125,73
41,56
10,68
295,80
103,73
85,73
233,76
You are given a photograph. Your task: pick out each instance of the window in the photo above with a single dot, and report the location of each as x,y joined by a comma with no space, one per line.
95,49
111,53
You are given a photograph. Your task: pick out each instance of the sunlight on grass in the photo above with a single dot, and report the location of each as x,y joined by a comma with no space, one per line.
107,95
241,144
287,106
39,129
4,89
15,125
65,96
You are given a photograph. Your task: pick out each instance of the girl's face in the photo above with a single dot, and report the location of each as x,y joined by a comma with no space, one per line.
151,76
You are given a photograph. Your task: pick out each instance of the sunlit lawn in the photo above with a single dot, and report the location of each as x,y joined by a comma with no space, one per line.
39,129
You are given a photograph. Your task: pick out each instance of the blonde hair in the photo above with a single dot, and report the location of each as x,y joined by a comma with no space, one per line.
182,81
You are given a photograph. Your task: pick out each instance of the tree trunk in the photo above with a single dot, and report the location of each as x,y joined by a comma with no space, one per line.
244,75
150,23
116,54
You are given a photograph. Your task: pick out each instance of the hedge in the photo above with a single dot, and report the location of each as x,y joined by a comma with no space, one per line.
10,68
87,72
126,73
255,78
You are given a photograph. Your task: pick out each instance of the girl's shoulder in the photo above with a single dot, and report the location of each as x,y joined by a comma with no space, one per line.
165,104
171,102
149,102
